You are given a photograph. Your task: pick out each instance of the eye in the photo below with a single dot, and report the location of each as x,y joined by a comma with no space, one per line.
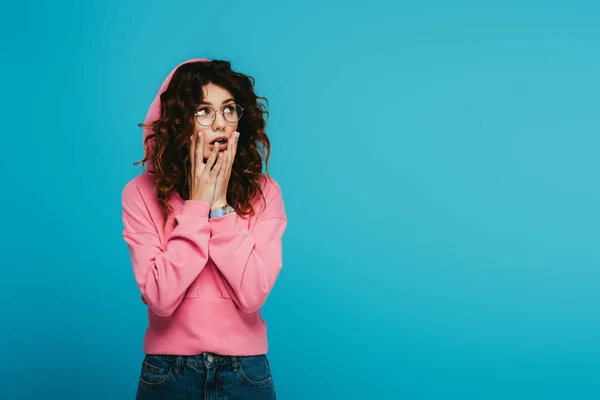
203,111
229,109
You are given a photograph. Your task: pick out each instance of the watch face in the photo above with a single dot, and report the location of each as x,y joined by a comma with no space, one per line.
221,211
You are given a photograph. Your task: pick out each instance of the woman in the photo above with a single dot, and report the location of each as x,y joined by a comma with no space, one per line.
204,228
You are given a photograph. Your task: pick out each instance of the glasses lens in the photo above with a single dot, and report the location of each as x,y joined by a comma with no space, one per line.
232,113
205,116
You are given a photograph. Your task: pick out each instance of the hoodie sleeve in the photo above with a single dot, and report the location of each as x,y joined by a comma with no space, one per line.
164,273
250,261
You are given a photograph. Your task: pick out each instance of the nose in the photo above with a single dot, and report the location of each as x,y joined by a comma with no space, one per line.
219,123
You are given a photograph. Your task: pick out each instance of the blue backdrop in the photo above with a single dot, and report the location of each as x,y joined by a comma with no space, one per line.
439,164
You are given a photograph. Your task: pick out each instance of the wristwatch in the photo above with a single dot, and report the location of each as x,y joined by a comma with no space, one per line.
219,212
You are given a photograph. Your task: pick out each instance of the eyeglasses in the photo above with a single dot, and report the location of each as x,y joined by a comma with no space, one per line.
206,115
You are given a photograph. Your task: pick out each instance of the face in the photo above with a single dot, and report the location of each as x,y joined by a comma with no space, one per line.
220,100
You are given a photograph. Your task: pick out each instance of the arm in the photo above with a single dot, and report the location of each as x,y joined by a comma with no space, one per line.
250,262
164,274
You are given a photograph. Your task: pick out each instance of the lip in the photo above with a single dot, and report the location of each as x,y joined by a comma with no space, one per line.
222,146
218,138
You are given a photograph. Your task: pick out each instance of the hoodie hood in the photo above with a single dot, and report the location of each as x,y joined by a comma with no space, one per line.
154,111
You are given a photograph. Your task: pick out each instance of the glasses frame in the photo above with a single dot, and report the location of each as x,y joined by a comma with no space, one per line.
221,112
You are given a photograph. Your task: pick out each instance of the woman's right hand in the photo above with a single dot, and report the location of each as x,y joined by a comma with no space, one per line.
203,177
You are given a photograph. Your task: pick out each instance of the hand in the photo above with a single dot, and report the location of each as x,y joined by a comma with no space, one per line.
203,177
220,195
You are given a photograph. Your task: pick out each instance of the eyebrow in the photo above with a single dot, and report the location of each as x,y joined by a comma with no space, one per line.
229,100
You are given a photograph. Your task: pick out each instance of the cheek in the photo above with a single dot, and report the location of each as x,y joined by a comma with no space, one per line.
197,127
232,128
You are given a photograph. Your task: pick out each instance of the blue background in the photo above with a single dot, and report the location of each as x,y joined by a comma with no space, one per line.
440,168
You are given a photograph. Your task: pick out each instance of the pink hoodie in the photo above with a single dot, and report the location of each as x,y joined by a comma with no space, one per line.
204,281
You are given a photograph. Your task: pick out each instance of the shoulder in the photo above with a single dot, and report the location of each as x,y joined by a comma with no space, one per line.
140,209
269,186
139,188
273,198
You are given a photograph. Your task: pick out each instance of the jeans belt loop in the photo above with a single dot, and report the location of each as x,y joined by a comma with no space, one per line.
178,362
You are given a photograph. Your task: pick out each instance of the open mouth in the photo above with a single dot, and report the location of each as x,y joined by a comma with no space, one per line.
220,140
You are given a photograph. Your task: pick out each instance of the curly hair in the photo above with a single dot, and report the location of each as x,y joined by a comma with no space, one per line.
170,142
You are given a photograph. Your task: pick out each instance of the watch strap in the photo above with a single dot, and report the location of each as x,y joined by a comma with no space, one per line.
221,211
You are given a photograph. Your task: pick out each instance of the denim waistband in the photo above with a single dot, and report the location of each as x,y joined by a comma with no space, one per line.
205,359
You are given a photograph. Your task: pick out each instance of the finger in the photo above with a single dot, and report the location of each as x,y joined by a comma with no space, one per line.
193,145
231,143
199,151
216,171
224,164
235,146
230,159
229,147
213,156
232,146
192,159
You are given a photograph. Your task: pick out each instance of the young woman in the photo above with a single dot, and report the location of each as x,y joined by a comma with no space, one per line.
204,228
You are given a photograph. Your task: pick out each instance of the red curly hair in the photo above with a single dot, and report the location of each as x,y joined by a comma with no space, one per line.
170,142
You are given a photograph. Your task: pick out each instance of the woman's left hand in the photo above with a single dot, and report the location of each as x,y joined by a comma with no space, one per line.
220,196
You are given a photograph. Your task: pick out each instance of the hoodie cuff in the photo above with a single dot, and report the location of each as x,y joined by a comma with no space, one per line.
195,208
223,224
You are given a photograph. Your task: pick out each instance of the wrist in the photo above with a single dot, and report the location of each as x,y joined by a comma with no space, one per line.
220,211
218,204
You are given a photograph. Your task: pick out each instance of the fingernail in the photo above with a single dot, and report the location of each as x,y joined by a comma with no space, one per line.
199,134
237,134
216,145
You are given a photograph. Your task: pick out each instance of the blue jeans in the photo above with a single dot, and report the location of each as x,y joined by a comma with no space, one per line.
206,376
